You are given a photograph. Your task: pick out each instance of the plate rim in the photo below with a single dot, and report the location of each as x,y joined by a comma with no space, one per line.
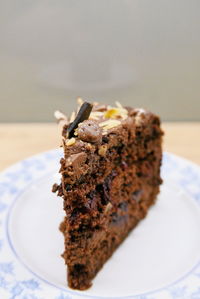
57,152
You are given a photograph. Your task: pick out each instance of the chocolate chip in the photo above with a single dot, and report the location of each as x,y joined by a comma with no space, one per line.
136,195
82,115
77,162
68,187
89,131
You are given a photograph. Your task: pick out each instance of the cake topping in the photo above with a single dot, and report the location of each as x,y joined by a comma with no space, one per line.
113,112
59,115
89,131
116,112
118,104
80,101
108,207
109,124
96,115
72,117
82,115
139,116
100,108
70,141
140,110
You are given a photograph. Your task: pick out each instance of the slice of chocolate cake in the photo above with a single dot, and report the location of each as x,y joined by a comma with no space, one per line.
110,177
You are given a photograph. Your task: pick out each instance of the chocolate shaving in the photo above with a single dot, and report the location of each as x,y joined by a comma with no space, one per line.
82,115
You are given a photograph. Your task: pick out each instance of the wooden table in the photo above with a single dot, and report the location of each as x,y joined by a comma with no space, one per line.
19,141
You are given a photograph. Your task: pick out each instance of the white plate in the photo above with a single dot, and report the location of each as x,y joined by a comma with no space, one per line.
160,258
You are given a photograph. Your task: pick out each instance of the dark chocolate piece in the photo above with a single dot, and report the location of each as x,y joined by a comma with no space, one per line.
82,115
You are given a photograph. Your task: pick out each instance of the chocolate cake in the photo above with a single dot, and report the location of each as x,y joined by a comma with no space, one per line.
110,177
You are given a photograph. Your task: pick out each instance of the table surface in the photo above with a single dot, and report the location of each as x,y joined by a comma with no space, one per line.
19,141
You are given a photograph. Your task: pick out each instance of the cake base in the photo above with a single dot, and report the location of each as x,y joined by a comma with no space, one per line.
80,275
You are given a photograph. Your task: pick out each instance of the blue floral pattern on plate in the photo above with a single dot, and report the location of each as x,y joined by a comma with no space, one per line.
18,282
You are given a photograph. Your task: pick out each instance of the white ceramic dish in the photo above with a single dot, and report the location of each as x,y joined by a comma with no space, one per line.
160,258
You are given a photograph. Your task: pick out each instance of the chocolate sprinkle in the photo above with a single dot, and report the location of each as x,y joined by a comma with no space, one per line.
82,115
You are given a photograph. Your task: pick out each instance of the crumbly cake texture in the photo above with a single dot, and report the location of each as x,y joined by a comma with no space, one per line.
110,177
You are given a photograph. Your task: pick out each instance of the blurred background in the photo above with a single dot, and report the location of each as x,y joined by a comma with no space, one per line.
142,53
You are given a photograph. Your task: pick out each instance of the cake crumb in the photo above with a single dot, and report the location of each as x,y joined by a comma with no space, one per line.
55,188
102,150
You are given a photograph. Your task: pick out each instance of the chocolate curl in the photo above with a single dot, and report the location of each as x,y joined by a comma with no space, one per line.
82,115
